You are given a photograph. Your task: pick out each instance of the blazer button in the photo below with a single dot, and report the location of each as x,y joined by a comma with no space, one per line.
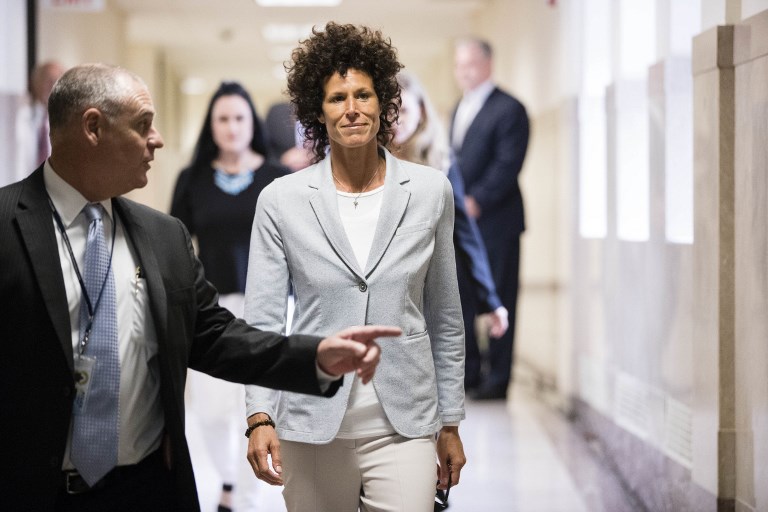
363,287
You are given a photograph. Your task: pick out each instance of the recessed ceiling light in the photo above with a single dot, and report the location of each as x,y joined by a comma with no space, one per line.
298,3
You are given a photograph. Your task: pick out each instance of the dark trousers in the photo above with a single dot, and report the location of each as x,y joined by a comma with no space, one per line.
492,369
146,486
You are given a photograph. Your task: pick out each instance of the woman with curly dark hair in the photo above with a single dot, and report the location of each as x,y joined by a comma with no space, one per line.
359,236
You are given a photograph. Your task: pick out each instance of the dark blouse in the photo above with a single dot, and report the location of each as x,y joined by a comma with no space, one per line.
220,221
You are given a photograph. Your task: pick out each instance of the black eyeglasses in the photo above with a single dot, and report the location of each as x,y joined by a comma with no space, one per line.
441,496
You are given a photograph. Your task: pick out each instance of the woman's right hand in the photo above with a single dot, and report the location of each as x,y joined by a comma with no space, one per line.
262,443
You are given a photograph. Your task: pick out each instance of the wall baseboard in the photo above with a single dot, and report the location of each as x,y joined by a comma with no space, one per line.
659,482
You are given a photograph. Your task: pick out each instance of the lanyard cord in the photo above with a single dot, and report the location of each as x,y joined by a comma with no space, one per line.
91,307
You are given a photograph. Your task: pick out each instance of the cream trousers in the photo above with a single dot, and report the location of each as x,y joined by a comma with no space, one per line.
384,473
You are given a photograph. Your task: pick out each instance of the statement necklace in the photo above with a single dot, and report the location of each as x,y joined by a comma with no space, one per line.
349,190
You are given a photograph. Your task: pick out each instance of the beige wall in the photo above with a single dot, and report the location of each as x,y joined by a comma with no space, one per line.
529,63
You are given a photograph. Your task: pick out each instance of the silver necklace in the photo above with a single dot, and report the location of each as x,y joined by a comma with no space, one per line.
349,190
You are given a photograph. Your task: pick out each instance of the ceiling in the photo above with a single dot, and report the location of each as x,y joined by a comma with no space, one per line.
211,40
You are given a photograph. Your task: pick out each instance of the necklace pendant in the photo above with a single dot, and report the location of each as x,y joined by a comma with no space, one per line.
355,203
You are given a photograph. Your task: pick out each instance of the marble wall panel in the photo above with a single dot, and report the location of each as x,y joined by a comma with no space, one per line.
710,124
660,483
751,262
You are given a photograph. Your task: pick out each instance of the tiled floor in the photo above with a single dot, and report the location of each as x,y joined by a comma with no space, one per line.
522,457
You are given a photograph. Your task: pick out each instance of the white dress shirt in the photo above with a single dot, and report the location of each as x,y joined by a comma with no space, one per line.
469,106
140,411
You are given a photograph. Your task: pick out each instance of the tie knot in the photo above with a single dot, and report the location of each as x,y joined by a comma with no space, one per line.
93,211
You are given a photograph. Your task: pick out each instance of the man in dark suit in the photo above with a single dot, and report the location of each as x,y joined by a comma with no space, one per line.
489,137
165,317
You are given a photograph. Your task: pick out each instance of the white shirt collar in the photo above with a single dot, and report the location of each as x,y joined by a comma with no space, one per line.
66,199
480,93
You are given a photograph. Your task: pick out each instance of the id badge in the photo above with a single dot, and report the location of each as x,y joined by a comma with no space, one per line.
84,366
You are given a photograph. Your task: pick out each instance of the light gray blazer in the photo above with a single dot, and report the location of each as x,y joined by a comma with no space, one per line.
409,281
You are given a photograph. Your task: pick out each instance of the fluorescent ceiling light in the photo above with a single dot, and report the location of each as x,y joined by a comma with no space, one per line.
286,32
298,3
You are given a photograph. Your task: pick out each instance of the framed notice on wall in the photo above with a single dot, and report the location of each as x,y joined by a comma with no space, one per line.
73,5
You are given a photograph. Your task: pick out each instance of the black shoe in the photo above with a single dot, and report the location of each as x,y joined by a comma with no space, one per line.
489,393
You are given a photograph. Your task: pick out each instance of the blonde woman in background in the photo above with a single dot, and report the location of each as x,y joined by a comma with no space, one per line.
421,138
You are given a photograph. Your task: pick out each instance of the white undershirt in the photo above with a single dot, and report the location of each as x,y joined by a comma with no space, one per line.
141,416
364,416
468,108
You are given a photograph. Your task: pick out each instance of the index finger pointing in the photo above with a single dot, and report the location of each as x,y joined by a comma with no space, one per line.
367,332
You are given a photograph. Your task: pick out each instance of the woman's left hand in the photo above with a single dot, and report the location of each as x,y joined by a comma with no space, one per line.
450,453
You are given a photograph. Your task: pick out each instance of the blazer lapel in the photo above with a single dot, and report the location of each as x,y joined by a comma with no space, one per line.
36,226
393,206
481,115
325,205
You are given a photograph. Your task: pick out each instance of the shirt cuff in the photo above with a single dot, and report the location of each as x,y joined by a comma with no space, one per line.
325,379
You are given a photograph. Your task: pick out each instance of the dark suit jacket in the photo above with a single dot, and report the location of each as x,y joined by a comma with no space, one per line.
280,127
490,159
36,372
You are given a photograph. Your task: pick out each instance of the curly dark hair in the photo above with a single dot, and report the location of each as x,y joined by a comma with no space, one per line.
338,48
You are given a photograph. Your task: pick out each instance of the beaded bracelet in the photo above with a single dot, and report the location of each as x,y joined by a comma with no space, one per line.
258,424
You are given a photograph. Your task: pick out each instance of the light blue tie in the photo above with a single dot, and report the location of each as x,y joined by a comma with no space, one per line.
95,428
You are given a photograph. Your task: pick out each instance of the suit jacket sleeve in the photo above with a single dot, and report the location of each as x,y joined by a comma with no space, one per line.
508,146
228,348
471,250
442,312
267,289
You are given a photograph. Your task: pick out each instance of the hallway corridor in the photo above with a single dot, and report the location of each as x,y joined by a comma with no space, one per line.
522,457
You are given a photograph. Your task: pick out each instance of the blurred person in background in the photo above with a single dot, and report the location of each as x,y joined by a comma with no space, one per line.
33,143
489,138
284,137
421,138
360,236
215,197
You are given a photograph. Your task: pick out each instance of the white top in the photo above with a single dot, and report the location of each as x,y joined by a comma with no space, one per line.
141,416
364,416
469,106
